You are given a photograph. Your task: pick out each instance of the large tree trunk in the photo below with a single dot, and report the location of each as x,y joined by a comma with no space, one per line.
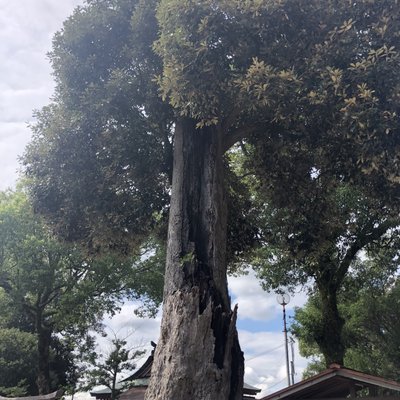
330,339
198,354
43,374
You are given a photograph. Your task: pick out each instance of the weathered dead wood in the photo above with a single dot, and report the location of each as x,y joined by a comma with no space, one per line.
198,354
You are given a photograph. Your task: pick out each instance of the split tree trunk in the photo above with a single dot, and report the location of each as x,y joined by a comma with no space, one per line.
198,354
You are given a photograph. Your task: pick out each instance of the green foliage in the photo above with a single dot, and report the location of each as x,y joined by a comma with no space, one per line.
115,150
18,362
284,73
319,231
327,75
49,287
244,219
37,271
368,301
146,279
373,325
314,228
100,162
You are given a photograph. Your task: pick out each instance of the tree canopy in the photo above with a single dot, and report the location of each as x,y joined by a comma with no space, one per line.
309,91
108,119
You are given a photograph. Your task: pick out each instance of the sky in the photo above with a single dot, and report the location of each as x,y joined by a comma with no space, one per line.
26,84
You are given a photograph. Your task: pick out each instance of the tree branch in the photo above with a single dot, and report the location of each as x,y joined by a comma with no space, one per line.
363,240
234,136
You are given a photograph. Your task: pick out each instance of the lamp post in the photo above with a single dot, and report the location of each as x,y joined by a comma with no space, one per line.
283,299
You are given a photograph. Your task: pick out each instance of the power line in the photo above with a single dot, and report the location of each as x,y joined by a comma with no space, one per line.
276,384
265,352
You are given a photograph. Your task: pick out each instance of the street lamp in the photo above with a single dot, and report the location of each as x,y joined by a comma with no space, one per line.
283,299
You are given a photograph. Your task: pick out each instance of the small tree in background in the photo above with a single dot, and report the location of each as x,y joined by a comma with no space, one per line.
108,367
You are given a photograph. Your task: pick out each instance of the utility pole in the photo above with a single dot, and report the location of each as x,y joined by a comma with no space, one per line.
292,372
283,299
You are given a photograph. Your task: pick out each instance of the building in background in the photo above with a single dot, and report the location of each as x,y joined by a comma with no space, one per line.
136,384
337,383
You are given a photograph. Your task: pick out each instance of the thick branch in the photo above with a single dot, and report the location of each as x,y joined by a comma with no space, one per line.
363,240
233,136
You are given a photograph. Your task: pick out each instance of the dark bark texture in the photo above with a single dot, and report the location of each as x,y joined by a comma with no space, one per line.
330,339
198,354
43,374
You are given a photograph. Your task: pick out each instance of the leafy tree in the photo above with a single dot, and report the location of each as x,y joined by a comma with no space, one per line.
374,344
17,362
12,316
53,288
316,239
20,351
367,302
107,368
278,75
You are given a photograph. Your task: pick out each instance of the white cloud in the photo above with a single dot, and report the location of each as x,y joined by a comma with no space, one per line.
257,304
13,137
26,31
126,321
264,350
265,360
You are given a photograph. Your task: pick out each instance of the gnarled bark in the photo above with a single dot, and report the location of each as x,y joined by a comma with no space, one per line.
198,354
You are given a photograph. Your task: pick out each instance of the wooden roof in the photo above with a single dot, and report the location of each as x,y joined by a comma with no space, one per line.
143,372
51,396
336,382
251,390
